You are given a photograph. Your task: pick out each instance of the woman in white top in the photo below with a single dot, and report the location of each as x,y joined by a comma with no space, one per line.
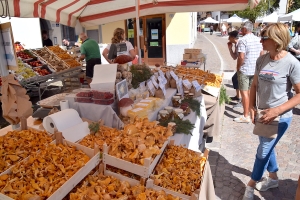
123,47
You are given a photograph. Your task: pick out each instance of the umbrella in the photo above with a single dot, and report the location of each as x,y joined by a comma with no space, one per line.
272,18
293,16
235,19
209,20
96,12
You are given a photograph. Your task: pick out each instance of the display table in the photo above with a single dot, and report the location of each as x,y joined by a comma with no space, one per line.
95,112
193,141
215,113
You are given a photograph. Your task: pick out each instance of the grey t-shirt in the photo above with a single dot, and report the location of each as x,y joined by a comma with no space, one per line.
275,80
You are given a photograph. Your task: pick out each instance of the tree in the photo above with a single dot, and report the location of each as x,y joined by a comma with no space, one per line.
264,6
293,5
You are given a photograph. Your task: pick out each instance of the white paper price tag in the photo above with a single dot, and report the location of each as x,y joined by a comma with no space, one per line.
153,79
161,73
162,80
142,84
168,75
196,86
187,84
179,86
151,87
162,87
174,75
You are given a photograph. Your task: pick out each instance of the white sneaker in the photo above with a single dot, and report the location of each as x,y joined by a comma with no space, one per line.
249,193
266,184
242,119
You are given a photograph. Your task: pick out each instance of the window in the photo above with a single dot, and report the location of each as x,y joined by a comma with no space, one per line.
68,33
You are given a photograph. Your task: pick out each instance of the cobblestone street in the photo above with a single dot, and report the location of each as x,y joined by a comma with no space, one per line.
233,151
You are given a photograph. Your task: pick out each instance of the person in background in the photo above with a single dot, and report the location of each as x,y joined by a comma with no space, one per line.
70,44
46,40
287,25
249,49
294,46
202,28
298,190
121,46
224,29
90,51
211,29
275,74
233,41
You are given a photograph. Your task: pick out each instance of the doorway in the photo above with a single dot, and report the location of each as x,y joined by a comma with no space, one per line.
152,38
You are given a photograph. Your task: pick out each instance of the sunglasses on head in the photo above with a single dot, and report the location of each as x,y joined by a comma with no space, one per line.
263,38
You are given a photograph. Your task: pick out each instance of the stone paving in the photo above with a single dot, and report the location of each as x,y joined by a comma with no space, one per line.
233,152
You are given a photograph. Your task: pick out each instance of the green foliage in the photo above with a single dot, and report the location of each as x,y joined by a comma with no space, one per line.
193,104
94,127
293,5
140,73
259,10
223,98
182,126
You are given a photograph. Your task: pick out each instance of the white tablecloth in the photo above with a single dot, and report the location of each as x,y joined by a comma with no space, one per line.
193,141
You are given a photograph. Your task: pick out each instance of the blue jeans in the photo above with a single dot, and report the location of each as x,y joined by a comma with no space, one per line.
265,155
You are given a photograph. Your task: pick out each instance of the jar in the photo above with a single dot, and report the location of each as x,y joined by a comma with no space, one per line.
176,101
145,94
170,111
139,97
132,96
163,115
186,109
186,94
178,114
191,95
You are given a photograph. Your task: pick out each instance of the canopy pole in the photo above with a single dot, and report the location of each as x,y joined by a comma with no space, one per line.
137,21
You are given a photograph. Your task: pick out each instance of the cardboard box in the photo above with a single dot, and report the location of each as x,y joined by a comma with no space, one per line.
143,171
193,51
186,56
104,77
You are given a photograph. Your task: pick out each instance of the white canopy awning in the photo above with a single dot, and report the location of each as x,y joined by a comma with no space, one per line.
96,12
235,19
209,20
272,18
293,16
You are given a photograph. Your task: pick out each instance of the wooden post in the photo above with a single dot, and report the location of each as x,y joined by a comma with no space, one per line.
23,123
58,137
96,148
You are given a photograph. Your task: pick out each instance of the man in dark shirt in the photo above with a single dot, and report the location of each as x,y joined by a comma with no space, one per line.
46,41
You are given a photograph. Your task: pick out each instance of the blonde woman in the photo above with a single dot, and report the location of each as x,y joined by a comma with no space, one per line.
118,46
275,74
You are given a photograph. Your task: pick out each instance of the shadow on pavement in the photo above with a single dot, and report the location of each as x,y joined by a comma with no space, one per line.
229,186
229,111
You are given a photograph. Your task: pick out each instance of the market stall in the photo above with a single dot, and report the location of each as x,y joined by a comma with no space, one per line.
38,68
136,119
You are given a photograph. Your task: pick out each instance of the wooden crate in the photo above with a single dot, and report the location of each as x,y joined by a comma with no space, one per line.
143,171
193,51
194,196
76,178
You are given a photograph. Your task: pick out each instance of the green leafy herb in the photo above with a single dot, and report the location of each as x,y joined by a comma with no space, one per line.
182,126
140,73
194,105
94,127
223,98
